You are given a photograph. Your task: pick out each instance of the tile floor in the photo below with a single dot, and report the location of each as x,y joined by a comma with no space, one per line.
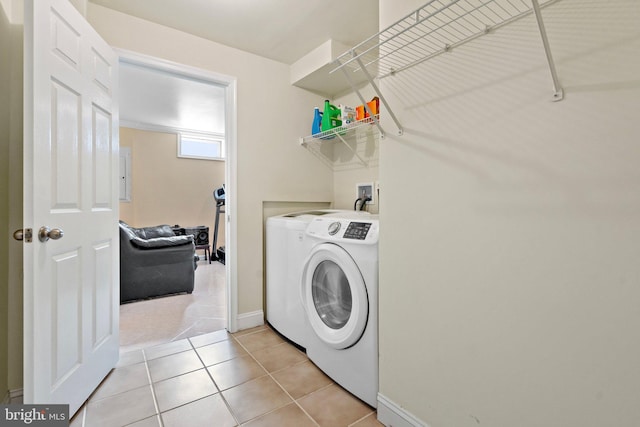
159,320
251,378
179,367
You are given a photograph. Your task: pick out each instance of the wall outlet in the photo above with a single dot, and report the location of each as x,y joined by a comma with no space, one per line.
367,189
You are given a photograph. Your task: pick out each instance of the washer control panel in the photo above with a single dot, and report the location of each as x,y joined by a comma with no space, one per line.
333,228
357,230
360,230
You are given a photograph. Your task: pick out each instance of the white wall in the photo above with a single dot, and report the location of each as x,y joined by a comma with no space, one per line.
272,114
509,273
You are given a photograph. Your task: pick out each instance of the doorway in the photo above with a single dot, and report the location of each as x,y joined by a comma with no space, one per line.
184,101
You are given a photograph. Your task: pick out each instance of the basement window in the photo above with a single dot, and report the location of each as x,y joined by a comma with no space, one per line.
201,147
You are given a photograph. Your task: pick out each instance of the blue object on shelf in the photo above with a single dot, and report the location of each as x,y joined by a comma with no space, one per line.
317,121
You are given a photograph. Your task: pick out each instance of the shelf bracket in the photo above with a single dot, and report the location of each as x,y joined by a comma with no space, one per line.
351,149
558,92
376,90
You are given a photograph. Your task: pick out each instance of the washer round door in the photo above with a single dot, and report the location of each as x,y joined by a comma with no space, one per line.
334,296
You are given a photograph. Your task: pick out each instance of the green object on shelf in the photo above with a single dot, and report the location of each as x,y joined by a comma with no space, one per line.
330,117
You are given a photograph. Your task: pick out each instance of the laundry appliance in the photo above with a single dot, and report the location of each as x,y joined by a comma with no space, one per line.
339,292
285,253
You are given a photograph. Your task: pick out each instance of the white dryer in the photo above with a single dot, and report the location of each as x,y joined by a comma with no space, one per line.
339,292
285,253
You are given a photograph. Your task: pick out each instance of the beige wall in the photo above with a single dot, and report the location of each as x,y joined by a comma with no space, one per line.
350,170
509,279
5,90
167,189
271,116
11,38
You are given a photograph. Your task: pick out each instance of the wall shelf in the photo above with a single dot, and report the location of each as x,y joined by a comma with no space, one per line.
360,141
437,27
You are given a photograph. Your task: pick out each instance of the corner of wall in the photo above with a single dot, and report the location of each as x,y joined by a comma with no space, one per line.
392,414
250,320
5,132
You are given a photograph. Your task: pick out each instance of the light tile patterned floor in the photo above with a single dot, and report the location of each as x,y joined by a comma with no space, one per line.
252,378
156,321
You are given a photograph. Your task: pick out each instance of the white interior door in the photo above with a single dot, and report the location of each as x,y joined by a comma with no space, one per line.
71,292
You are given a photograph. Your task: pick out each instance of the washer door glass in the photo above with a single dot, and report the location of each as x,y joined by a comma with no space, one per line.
331,294
334,296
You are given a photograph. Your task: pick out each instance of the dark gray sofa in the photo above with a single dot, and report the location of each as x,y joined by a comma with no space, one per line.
155,262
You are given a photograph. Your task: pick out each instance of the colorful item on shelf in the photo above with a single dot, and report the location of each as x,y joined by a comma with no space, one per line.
330,118
316,127
347,115
374,106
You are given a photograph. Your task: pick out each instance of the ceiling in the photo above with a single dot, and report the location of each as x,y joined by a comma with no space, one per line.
282,30
157,100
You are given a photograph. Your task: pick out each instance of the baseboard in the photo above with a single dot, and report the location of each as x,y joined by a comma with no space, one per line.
392,415
13,397
250,320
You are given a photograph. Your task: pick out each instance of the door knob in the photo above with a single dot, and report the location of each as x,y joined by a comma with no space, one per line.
23,234
46,233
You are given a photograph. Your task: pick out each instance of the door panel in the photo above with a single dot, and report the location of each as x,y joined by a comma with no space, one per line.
66,343
71,291
65,147
103,304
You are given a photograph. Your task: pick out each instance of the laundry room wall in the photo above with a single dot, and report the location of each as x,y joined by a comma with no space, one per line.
167,189
11,135
348,170
5,130
272,114
510,231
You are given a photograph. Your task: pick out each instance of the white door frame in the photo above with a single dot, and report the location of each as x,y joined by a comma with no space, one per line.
230,162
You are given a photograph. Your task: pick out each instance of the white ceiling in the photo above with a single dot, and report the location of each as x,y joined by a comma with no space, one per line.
283,30
156,100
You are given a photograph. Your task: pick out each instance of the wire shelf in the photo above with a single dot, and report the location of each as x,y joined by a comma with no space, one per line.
342,131
359,141
435,28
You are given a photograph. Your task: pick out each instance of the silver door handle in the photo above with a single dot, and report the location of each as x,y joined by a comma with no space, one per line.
46,233
23,234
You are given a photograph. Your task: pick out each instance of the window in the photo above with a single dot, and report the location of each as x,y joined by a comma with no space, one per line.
201,147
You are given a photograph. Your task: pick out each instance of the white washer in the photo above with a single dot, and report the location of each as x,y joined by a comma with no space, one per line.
285,253
340,298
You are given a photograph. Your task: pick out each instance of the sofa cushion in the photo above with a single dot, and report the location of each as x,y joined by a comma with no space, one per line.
161,242
156,231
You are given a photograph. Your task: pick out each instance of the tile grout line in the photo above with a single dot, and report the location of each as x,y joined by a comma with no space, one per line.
214,383
286,392
84,414
361,419
276,381
153,392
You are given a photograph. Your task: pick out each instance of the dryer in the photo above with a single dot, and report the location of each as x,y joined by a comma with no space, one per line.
339,292
285,252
